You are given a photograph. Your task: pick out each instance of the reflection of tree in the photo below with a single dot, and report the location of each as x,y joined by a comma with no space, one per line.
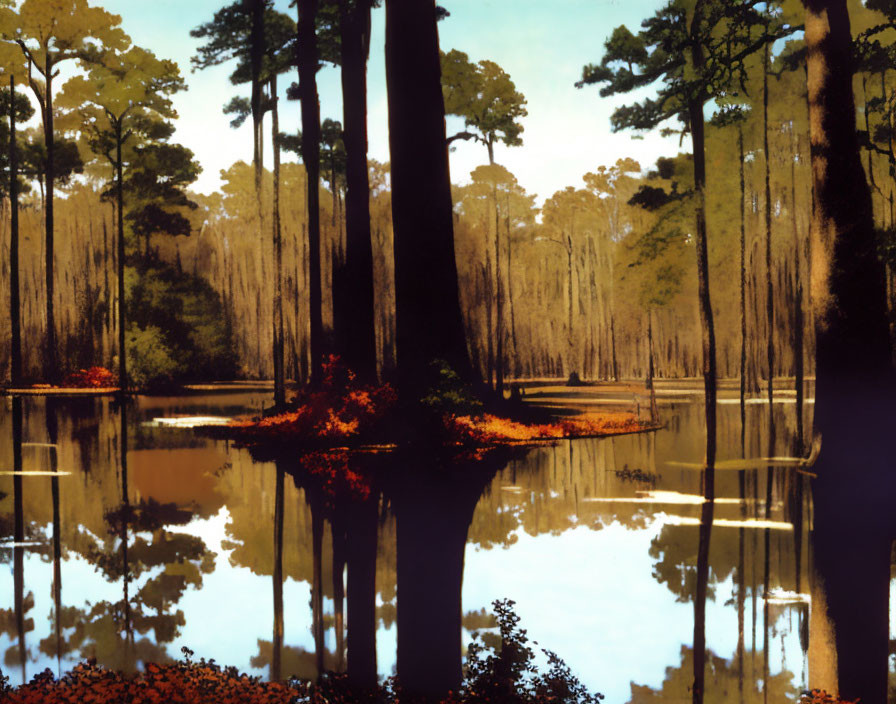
723,684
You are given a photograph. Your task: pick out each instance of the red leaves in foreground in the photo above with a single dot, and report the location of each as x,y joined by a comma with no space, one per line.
93,378
190,683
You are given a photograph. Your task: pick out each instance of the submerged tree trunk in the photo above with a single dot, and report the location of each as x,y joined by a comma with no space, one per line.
854,390
429,325
308,63
354,326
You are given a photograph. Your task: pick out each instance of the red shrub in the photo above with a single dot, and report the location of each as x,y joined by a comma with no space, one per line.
93,378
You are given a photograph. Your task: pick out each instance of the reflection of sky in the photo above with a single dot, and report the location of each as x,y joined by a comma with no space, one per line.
608,619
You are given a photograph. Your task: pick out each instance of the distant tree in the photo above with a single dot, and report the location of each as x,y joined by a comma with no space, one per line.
17,108
49,35
484,95
429,325
124,98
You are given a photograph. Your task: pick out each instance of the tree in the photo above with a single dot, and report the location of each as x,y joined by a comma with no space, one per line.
697,49
484,95
428,317
18,109
354,319
49,34
122,98
854,386
308,64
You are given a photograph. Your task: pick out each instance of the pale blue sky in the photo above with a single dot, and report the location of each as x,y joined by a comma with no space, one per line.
543,46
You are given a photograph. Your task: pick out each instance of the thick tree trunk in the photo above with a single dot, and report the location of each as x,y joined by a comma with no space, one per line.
769,288
308,62
743,291
853,412
354,326
15,306
279,354
429,325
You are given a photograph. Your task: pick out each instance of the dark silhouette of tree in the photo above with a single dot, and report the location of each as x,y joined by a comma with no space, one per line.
429,325
854,387
353,316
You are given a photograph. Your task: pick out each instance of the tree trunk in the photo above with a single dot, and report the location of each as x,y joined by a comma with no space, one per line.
51,361
308,63
854,386
769,288
743,292
119,197
15,309
354,326
256,57
279,359
499,305
277,576
429,325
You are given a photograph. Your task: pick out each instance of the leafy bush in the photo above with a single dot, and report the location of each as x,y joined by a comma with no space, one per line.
151,362
448,394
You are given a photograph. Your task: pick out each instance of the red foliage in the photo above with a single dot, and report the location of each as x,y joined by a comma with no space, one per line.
819,696
333,470
342,411
93,378
190,683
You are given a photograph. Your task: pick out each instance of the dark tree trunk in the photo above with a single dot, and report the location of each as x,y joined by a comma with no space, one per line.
361,595
769,288
308,62
354,324
256,57
697,127
499,305
122,307
279,354
743,292
429,325
51,360
18,551
854,388
15,305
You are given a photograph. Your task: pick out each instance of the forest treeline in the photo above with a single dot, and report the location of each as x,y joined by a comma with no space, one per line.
599,280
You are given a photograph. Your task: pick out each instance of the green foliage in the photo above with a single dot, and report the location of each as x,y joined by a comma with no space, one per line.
177,329
447,394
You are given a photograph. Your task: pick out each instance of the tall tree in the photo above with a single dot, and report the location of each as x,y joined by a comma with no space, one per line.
428,317
484,95
121,98
49,35
854,389
697,49
17,109
354,324
308,63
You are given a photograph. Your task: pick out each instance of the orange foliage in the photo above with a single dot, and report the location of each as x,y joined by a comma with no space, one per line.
342,411
494,430
190,683
819,696
93,378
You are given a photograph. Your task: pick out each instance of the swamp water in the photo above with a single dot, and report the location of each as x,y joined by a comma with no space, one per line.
596,540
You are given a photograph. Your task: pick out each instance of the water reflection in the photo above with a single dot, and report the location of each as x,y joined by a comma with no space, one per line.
158,533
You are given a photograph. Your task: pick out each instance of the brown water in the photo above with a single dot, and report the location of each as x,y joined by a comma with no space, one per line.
595,540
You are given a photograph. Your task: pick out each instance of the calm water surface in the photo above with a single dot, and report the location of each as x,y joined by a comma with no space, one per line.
595,540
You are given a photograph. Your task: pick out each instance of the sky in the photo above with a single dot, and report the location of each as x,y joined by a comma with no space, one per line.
543,46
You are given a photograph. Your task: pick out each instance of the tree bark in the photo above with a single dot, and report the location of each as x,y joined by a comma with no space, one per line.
354,326
119,198
15,305
308,63
769,287
429,325
51,360
854,386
